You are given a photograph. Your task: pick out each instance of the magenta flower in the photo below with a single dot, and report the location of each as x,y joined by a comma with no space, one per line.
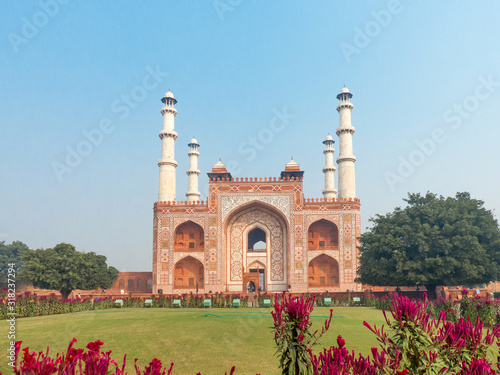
94,346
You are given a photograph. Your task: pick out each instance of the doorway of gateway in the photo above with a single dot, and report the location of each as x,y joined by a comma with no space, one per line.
262,278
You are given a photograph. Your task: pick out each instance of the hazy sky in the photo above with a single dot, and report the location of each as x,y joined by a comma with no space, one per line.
82,82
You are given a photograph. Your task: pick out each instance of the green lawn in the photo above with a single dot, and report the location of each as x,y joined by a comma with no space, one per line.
194,342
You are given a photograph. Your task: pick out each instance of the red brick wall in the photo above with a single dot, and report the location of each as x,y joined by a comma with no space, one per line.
132,282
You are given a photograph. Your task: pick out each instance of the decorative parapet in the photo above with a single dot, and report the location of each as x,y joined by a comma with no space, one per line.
331,200
180,203
256,179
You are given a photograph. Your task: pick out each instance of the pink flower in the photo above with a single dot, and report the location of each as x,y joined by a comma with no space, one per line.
340,341
94,346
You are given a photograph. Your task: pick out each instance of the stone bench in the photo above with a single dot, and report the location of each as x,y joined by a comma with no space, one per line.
267,303
236,302
148,303
207,303
119,303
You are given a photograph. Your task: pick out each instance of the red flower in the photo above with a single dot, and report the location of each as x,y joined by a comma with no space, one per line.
95,346
340,341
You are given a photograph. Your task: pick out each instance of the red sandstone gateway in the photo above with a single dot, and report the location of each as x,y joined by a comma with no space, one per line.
256,233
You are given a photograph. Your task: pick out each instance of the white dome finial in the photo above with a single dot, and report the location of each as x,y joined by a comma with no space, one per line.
169,97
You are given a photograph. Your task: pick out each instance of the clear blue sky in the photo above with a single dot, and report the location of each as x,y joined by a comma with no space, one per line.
423,73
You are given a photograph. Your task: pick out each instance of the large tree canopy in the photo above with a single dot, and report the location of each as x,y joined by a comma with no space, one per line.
65,269
433,241
11,254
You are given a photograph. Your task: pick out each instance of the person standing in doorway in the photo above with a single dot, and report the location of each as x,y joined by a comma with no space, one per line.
196,287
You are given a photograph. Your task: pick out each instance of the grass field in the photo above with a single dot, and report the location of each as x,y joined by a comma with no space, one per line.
194,342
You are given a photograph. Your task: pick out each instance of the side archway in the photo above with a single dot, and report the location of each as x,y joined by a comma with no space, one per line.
187,273
323,271
323,235
189,236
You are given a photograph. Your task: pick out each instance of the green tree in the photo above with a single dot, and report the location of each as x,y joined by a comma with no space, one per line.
433,241
65,269
11,254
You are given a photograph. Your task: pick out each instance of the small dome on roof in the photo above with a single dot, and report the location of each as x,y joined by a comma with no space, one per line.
219,165
169,94
329,138
344,90
193,141
292,163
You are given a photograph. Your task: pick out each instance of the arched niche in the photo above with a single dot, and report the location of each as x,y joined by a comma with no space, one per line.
323,271
187,273
323,235
189,236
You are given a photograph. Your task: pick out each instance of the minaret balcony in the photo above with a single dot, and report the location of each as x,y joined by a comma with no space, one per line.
168,134
342,105
169,110
329,169
169,162
341,159
349,129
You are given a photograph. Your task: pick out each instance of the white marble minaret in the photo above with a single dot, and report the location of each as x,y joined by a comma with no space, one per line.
167,163
193,172
329,169
346,159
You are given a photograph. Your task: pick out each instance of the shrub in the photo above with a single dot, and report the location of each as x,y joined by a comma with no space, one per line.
292,335
91,361
416,343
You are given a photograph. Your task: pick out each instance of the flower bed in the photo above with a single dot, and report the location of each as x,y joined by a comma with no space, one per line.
30,304
412,342
486,309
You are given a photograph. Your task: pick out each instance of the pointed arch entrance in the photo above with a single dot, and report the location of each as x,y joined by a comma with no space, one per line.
323,235
259,269
323,271
256,234
187,273
189,236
